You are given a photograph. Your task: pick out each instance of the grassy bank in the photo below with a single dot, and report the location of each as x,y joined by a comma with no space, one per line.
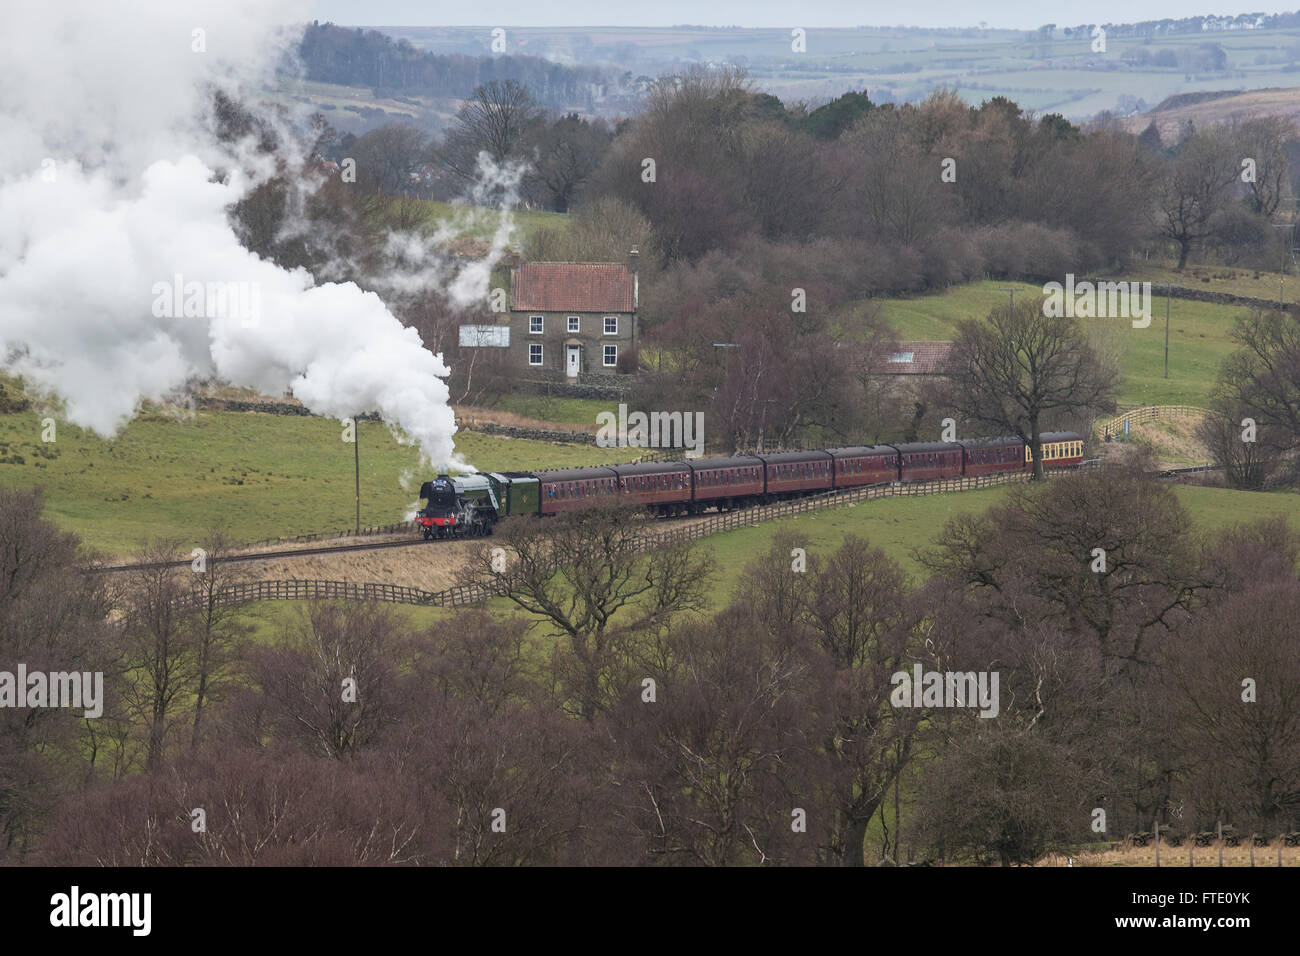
264,475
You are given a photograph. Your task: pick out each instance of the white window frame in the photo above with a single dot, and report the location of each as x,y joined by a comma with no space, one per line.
538,346
607,330
608,363
575,323
541,324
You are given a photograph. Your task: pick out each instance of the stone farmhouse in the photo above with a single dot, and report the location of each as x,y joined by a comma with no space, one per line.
566,318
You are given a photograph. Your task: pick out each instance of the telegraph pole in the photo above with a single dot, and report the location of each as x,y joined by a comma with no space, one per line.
1168,290
356,464
1281,270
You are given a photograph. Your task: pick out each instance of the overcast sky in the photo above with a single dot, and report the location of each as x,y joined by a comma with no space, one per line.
768,13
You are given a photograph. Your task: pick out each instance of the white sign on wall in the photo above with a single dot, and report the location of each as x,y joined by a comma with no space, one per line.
485,336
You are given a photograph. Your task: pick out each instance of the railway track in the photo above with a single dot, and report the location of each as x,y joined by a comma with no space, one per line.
415,540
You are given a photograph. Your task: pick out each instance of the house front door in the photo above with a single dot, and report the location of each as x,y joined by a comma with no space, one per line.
574,352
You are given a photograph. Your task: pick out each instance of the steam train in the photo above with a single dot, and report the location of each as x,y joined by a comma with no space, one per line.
469,505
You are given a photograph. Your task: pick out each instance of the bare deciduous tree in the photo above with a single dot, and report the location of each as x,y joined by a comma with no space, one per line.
1261,382
493,120
1193,190
159,643
1018,367
329,681
218,624
585,576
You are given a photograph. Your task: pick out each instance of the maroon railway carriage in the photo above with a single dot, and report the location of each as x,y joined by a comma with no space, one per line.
568,488
990,456
924,461
864,465
795,473
723,482
662,485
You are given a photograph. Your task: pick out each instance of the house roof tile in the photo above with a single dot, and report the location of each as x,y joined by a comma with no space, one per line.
918,358
573,287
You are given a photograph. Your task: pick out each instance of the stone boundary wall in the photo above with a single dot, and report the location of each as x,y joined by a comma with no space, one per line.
1200,295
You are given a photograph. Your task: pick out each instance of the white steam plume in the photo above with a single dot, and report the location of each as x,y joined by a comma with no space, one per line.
108,189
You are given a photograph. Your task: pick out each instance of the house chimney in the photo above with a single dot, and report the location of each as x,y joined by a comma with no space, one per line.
633,260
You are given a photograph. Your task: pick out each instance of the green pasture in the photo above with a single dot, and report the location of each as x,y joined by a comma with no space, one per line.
264,475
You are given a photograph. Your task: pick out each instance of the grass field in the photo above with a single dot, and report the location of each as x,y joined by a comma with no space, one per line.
480,223
1198,337
462,221
264,475
270,618
1249,282
901,526
549,408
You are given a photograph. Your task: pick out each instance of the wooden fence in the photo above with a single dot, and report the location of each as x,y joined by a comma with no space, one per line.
296,589
727,521
1147,413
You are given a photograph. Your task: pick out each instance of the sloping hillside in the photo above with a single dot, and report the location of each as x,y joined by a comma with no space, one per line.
1207,109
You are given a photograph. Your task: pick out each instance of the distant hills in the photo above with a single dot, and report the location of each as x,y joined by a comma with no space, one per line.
370,59
1213,107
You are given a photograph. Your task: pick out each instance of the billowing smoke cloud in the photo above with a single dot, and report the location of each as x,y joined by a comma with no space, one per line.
116,253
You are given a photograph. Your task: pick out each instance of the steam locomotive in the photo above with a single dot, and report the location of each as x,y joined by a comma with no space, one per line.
469,505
